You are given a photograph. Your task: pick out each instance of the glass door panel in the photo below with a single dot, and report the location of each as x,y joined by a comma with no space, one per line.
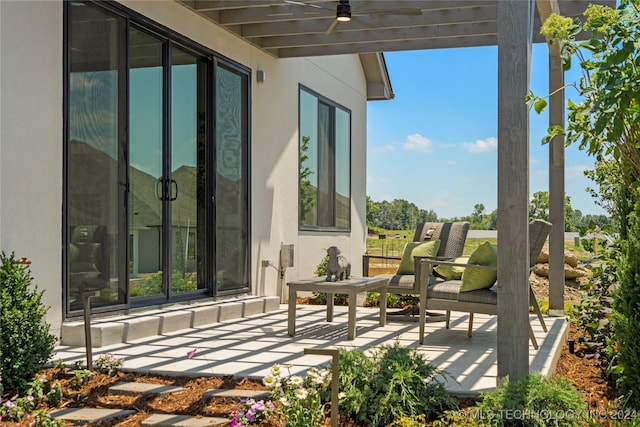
94,193
231,207
184,171
146,165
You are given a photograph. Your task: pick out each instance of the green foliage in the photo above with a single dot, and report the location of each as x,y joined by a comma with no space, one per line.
373,300
394,382
595,310
108,364
397,215
23,407
411,421
535,401
627,308
25,341
606,124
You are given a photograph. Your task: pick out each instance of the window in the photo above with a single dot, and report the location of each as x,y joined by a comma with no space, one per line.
325,163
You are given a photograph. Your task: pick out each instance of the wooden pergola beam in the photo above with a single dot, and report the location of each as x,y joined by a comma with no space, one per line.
556,169
515,32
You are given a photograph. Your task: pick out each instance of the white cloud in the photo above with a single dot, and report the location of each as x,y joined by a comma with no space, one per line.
450,162
481,145
418,142
575,171
384,149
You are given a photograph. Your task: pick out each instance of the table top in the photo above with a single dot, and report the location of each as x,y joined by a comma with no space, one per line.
353,283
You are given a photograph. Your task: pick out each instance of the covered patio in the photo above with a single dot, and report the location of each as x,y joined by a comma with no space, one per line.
249,346
287,29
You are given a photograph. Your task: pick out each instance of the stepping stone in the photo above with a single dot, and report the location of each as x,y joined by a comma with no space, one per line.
90,415
169,420
236,394
133,388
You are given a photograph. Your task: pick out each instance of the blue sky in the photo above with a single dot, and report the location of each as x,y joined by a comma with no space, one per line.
435,143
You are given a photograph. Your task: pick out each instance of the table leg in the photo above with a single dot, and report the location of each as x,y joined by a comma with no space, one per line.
291,324
383,306
329,307
351,325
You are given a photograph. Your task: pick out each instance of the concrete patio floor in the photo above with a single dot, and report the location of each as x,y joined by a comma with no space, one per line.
249,346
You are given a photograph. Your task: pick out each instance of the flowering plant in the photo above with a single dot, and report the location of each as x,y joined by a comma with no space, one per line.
108,364
251,412
301,399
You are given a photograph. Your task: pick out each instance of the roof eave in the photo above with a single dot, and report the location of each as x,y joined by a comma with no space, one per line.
377,77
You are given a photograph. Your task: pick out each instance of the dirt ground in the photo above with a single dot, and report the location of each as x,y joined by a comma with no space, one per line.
587,374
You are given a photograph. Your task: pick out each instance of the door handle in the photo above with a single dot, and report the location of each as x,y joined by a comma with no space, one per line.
159,189
173,184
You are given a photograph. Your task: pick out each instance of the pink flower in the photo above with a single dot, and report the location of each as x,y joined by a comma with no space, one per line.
191,353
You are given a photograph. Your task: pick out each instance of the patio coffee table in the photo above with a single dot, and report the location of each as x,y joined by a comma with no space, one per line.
351,286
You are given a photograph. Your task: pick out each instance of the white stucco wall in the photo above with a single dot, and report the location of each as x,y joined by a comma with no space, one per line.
31,124
31,142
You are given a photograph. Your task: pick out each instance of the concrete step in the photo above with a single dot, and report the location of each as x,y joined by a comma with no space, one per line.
143,324
94,416
169,420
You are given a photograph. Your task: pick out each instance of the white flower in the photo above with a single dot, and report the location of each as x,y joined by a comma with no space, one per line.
342,395
302,393
296,381
270,381
284,401
275,370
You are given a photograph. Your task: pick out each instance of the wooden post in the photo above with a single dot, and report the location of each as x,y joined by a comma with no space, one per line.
515,32
335,377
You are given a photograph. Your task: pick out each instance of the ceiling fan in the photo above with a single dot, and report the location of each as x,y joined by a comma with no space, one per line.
344,12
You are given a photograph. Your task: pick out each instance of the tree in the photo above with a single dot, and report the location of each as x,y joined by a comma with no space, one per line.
605,122
539,206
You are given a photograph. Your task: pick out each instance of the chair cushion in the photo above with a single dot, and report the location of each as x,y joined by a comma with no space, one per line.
482,296
477,278
448,289
414,249
451,272
405,283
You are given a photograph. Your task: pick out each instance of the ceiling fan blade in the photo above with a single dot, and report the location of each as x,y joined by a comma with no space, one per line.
331,27
299,3
402,11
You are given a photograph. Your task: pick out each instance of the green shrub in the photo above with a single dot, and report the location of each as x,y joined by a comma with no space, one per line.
535,400
395,382
626,320
393,300
25,341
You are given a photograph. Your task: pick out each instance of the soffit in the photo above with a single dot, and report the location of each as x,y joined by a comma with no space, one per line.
287,30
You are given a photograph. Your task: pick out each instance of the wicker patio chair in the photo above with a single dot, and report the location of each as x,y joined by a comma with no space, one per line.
452,236
446,295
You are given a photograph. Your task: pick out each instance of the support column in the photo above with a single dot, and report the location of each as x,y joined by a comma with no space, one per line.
515,32
556,185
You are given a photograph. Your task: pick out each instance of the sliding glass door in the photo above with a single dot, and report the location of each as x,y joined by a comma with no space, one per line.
167,124
156,202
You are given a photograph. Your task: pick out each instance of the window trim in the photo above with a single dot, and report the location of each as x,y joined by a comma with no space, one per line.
334,107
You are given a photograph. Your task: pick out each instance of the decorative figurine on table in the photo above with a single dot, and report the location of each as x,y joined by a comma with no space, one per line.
337,268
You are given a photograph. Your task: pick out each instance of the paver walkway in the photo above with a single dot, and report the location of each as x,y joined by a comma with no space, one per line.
100,415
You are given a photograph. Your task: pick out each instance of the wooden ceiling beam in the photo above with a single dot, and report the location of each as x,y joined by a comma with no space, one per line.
374,36
362,23
423,44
